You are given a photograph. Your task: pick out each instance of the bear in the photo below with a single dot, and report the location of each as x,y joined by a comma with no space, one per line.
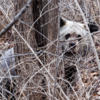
73,35
73,41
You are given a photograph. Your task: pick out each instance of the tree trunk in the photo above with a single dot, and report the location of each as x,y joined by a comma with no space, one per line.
24,70
43,32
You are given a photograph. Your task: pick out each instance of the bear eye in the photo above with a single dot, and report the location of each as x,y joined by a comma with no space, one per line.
79,37
67,36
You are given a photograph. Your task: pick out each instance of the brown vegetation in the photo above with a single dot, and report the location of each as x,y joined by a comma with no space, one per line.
38,60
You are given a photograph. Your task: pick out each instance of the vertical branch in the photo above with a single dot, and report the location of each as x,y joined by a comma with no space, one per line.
91,40
57,62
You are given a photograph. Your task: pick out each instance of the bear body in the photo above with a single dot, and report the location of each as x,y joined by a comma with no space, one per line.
73,41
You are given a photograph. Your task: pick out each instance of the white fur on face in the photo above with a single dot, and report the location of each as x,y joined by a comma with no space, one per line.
74,29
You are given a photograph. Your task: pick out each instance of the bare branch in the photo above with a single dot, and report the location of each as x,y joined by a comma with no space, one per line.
16,18
92,43
57,62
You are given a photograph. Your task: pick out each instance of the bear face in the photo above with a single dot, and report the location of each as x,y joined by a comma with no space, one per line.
74,40
73,35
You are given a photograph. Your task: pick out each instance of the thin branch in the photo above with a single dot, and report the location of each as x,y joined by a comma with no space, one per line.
16,18
17,55
91,40
8,19
57,62
70,86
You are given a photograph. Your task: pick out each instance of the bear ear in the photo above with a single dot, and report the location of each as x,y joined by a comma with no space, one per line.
93,27
62,22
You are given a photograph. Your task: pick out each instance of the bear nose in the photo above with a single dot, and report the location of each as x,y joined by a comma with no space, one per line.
72,44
